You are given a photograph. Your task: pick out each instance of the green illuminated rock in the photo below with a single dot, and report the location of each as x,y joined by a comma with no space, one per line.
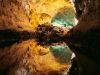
61,53
64,17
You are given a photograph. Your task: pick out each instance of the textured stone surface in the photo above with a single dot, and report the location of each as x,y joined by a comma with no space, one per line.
12,15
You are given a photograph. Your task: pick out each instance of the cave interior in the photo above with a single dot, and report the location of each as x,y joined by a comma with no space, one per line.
49,37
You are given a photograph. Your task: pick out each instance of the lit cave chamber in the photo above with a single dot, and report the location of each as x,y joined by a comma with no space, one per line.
49,37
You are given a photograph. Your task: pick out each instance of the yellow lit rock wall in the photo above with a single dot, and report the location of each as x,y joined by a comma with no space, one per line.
12,15
41,11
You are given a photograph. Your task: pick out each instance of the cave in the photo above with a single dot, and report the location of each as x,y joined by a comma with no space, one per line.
49,37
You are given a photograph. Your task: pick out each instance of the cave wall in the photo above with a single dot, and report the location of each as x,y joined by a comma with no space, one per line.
12,15
89,16
42,11
85,36
27,14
